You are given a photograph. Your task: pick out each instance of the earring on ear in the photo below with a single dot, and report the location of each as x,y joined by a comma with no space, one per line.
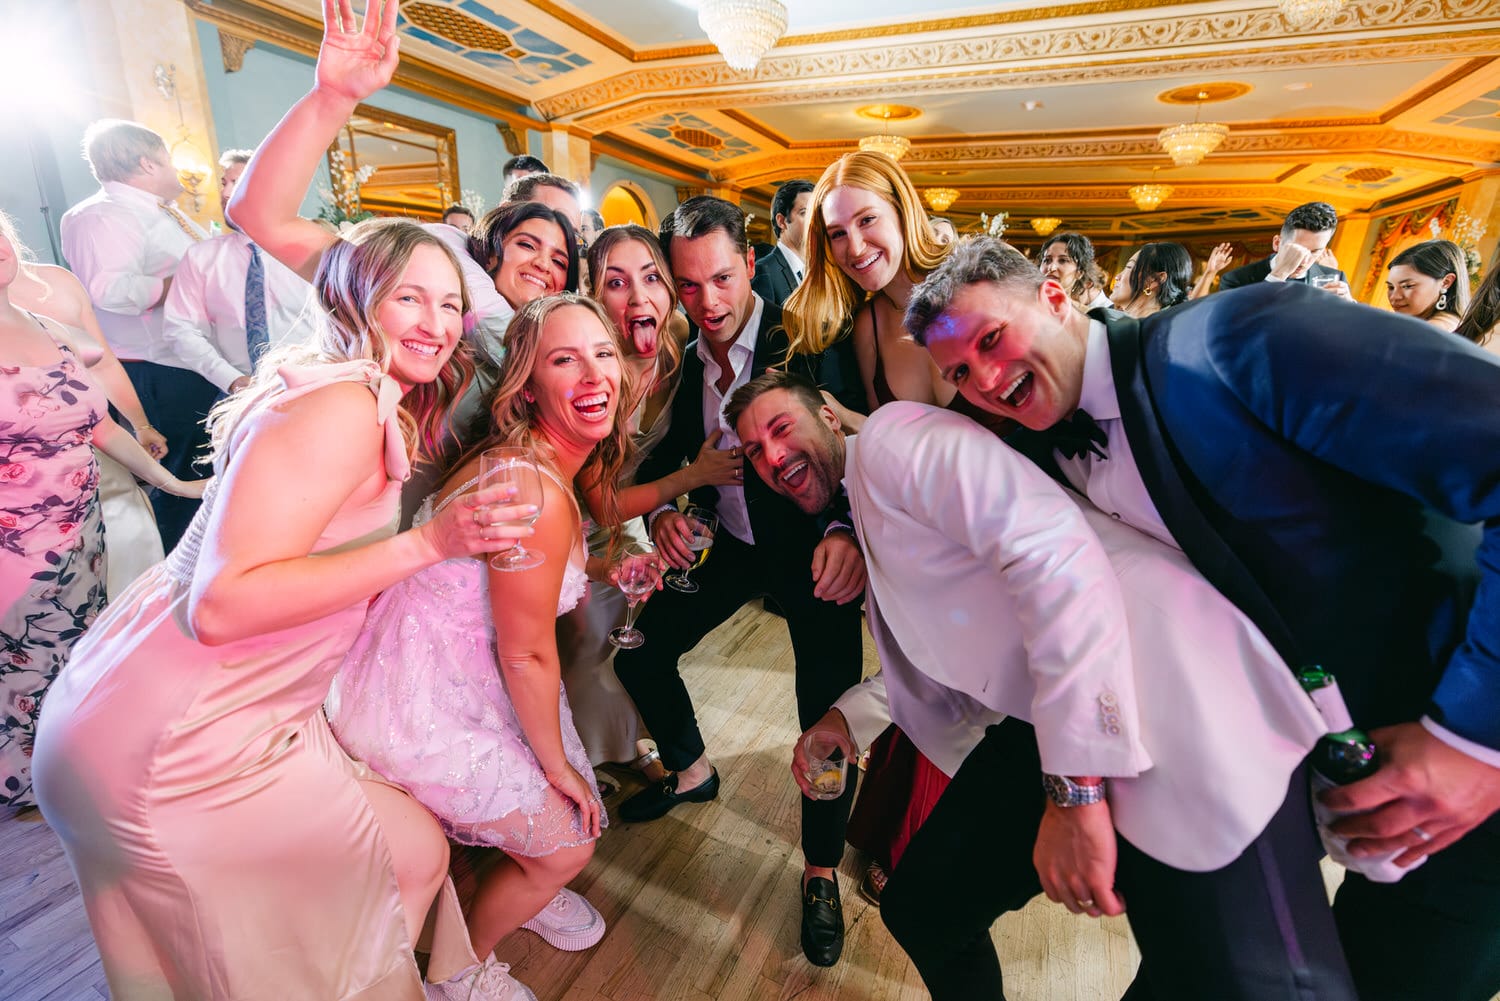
1442,302
526,395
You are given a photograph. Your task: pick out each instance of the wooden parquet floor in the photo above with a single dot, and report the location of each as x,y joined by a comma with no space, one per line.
702,905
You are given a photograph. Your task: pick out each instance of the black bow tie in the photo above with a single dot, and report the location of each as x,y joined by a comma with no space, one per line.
1077,435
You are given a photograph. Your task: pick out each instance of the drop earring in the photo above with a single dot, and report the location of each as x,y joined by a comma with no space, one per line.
1442,302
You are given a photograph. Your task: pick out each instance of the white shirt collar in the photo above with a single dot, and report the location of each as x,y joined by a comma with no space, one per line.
744,343
798,265
1101,301
1098,396
120,191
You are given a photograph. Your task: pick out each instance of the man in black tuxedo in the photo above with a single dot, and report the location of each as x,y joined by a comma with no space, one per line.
1304,235
780,271
1313,458
764,547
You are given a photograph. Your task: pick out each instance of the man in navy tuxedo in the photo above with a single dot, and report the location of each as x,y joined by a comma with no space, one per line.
1312,457
1304,235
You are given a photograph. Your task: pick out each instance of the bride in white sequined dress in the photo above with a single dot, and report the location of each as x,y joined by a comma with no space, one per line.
453,689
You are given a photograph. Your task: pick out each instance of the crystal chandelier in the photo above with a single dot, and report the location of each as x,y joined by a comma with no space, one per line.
743,30
1149,196
887,142
937,198
1189,143
1045,225
1300,13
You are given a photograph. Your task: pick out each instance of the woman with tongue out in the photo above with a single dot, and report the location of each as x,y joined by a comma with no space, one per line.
634,285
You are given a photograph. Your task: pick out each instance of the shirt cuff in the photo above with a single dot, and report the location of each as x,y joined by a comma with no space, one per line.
1479,752
841,526
652,515
1273,278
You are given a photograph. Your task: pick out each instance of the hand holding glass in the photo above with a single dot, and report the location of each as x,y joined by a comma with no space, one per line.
637,575
516,468
828,756
1323,281
702,523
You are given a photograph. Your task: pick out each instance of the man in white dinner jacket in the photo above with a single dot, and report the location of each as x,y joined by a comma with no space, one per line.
1022,634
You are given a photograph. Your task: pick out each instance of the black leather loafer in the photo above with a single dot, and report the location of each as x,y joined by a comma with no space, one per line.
822,922
654,801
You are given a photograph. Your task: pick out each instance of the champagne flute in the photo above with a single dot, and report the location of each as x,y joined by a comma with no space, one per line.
637,576
702,523
514,467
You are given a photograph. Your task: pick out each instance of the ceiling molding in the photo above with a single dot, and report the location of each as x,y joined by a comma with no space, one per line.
1207,43
260,21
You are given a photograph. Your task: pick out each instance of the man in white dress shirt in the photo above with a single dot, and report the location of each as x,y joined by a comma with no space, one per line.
1000,609
230,302
125,242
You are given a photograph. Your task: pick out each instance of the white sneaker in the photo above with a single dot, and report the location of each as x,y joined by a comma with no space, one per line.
490,982
569,922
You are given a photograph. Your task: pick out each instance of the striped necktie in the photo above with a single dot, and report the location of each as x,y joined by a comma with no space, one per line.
257,335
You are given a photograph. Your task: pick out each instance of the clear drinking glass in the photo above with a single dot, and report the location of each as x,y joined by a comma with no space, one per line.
637,576
515,467
1323,281
703,523
828,756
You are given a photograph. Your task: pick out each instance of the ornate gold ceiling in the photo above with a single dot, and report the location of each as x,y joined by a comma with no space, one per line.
1387,99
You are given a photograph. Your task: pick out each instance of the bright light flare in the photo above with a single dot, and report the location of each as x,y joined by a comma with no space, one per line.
36,63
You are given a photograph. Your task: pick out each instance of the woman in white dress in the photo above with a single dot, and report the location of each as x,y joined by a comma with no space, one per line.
453,689
634,285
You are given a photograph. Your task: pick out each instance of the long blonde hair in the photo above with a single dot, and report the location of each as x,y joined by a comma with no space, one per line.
822,308
513,416
356,275
669,351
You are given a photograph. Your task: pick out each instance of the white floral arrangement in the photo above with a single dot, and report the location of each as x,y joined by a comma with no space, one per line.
473,201
993,225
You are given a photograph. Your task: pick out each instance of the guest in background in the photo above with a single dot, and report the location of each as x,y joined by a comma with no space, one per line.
1156,277
459,217
943,229
520,166
1218,260
1483,315
124,242
552,191
230,302
591,225
1430,281
225,845
780,271
1068,258
1305,234
53,415
55,293
868,243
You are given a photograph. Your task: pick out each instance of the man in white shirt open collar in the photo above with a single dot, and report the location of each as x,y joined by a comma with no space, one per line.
206,310
1022,634
124,243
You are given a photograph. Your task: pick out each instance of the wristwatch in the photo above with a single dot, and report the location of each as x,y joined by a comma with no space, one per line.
1065,792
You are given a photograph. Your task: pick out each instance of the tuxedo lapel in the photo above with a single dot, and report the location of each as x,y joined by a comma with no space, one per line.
1173,488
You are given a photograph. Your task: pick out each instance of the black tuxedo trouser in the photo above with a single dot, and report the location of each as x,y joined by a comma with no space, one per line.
825,639
177,402
1260,929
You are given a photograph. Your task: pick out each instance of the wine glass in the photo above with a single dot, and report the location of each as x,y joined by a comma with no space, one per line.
637,575
702,523
514,467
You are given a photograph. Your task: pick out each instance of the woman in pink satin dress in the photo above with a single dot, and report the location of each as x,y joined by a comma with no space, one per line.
226,848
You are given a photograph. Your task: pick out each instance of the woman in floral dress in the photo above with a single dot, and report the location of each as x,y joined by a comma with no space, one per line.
52,416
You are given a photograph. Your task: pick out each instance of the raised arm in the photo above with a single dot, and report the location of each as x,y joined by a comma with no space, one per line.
353,63
1218,260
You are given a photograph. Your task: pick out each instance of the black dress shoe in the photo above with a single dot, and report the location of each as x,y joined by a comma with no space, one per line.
822,922
654,801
